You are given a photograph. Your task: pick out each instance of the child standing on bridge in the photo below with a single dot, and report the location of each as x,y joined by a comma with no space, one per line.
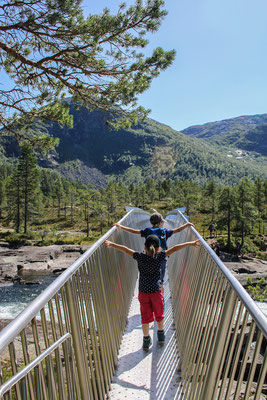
163,234
150,293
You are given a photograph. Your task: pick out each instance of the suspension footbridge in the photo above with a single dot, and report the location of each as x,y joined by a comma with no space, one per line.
82,337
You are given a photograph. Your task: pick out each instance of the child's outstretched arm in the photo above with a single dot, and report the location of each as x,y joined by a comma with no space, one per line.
125,228
119,247
176,230
177,247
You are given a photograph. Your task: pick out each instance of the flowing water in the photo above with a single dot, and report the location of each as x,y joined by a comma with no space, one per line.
15,297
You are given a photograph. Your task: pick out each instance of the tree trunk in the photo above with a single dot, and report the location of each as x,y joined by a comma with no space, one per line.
229,229
25,207
242,233
87,226
71,210
18,215
59,206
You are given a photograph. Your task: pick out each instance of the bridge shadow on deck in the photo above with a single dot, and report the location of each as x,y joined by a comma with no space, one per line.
147,374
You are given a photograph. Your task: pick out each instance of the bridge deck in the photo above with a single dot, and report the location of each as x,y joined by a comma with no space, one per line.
147,374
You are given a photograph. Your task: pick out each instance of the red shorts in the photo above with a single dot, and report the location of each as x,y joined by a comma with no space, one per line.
151,304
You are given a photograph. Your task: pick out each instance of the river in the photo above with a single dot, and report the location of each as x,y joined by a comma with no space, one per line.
15,297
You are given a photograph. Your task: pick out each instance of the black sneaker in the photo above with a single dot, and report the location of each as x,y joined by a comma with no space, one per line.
161,336
147,342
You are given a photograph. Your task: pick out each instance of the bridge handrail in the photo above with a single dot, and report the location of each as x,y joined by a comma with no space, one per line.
81,302
22,373
40,301
213,315
220,332
250,304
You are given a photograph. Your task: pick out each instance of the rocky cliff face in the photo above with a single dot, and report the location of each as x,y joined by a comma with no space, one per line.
83,173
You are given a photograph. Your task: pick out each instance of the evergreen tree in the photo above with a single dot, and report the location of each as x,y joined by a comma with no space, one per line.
72,198
166,185
30,181
100,212
259,200
143,196
50,49
151,190
111,200
226,206
59,191
14,198
136,197
187,195
160,190
88,199
245,210
122,193
210,193
2,197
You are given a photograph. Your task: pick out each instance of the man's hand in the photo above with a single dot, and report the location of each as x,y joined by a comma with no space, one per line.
107,243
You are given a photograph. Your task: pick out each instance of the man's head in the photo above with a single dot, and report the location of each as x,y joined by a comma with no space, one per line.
156,219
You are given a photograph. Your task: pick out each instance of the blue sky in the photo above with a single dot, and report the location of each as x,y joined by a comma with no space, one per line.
220,70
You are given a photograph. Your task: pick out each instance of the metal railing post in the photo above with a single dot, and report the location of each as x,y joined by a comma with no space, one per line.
218,347
77,340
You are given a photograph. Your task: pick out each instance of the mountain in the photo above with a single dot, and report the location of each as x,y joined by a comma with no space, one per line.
90,152
246,132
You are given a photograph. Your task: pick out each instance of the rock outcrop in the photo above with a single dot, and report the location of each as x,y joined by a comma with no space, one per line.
245,268
33,258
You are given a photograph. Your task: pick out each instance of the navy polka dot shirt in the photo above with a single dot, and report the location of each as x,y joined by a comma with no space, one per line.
149,268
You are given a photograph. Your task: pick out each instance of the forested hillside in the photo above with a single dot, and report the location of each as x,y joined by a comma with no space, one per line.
91,153
39,204
151,150
246,132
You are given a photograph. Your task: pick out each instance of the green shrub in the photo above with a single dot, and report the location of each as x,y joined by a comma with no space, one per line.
16,240
257,291
261,255
259,242
249,246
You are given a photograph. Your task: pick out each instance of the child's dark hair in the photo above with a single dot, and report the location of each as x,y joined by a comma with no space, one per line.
152,243
156,218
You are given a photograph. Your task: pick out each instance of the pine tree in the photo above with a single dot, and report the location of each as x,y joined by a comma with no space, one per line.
14,198
259,200
210,192
111,200
226,205
30,181
59,191
2,196
151,189
72,198
50,49
245,210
